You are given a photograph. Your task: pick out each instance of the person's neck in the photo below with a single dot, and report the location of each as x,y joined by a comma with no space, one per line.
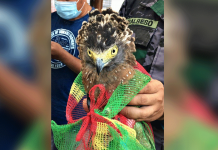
85,10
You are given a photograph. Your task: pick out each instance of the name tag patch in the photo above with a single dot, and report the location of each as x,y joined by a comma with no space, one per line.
143,22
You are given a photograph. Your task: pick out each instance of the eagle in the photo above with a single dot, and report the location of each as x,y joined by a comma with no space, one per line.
112,77
106,47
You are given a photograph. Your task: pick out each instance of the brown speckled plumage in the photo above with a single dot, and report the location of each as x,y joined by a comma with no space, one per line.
102,31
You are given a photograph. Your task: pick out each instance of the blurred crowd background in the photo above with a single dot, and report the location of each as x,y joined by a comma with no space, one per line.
191,69
191,87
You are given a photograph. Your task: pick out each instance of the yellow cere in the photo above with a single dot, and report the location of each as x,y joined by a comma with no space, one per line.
106,55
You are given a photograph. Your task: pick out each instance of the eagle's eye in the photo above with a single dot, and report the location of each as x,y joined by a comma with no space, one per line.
89,52
113,51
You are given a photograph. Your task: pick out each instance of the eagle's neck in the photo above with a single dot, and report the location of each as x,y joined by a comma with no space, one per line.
120,74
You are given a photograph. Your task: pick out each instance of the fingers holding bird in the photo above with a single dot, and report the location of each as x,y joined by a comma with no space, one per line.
151,100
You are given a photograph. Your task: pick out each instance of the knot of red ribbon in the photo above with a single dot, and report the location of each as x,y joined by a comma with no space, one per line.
92,118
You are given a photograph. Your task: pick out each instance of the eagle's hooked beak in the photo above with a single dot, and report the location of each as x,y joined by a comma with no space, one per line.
100,65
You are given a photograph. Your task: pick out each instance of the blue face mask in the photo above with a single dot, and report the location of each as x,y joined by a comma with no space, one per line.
67,10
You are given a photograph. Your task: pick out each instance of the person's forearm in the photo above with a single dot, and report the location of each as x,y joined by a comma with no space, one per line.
21,97
57,52
72,62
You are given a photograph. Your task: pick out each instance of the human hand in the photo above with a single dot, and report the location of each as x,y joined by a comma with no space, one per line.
56,51
151,100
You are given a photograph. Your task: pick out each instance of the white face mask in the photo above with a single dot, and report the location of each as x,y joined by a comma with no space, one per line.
67,10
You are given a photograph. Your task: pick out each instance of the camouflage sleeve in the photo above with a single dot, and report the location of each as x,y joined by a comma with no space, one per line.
154,60
150,38
158,8
123,9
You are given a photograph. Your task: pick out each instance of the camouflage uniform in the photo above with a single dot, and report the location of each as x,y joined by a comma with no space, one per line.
146,19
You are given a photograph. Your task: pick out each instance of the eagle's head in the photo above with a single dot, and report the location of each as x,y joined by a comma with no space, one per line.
105,41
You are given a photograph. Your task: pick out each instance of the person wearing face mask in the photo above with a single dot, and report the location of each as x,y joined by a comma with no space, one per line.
65,64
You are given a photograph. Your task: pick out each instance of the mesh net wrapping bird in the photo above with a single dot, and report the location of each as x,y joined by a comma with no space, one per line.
111,77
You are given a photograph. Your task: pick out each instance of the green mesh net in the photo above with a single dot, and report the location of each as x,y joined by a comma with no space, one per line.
103,127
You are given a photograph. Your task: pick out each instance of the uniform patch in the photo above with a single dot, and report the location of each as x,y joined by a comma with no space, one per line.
143,22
